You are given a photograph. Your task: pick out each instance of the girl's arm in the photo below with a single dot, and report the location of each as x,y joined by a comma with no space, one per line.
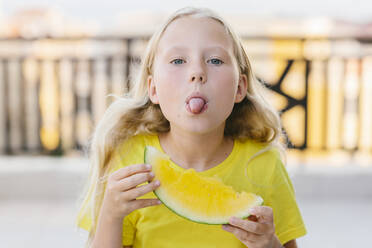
109,232
120,200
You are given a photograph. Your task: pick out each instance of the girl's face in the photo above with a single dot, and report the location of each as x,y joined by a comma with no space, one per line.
195,56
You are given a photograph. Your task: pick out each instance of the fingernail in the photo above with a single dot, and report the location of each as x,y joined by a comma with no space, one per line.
148,166
151,174
157,183
159,202
252,211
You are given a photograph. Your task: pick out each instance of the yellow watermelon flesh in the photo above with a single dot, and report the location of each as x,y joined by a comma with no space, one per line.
197,198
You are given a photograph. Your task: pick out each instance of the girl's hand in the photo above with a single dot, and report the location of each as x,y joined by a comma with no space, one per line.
122,191
256,232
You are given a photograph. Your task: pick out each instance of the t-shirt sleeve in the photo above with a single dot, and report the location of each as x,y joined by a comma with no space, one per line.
288,221
129,231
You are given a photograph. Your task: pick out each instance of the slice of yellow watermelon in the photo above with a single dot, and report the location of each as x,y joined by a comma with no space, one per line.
197,198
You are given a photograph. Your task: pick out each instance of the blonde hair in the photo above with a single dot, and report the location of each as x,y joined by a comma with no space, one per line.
253,118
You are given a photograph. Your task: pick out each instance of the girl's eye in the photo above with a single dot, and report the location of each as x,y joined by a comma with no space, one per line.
216,61
177,61
181,61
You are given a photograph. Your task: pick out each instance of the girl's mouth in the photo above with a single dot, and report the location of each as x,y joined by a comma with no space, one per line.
196,105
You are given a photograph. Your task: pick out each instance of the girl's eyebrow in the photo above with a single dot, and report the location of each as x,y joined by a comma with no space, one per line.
180,49
175,49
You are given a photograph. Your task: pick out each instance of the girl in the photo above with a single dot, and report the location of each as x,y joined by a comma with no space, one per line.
197,100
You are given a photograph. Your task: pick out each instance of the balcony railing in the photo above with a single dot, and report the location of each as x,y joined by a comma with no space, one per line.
53,90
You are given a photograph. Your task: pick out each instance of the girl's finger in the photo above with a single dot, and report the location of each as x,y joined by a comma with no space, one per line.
130,170
241,234
263,213
134,180
249,226
142,190
142,203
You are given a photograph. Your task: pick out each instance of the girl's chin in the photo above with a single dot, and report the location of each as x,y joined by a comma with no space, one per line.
197,127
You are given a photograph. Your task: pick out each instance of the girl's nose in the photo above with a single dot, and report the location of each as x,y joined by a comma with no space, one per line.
198,77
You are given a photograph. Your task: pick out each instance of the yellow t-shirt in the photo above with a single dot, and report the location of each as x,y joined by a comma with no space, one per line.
157,226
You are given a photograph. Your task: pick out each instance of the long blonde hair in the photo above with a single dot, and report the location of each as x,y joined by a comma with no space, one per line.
253,118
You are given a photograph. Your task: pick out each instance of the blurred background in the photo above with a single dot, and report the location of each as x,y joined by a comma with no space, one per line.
60,59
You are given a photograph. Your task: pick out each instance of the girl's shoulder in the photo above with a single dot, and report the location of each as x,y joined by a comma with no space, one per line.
263,160
262,156
260,148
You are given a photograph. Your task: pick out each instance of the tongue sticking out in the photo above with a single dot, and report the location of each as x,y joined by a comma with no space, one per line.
196,104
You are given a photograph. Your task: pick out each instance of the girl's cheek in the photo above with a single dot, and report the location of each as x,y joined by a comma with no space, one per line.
175,78
167,71
174,72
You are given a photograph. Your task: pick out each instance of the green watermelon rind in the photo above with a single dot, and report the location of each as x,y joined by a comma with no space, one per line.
146,160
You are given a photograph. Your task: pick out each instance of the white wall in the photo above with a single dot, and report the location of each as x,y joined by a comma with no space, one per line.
357,10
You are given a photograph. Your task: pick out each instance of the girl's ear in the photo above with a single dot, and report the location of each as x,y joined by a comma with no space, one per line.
242,88
151,89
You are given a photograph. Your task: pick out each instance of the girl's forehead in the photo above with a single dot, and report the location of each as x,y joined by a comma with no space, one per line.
190,31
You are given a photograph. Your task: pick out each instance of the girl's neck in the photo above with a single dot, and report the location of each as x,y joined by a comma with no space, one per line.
200,152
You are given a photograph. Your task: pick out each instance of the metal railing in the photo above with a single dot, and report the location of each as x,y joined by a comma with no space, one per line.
53,90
